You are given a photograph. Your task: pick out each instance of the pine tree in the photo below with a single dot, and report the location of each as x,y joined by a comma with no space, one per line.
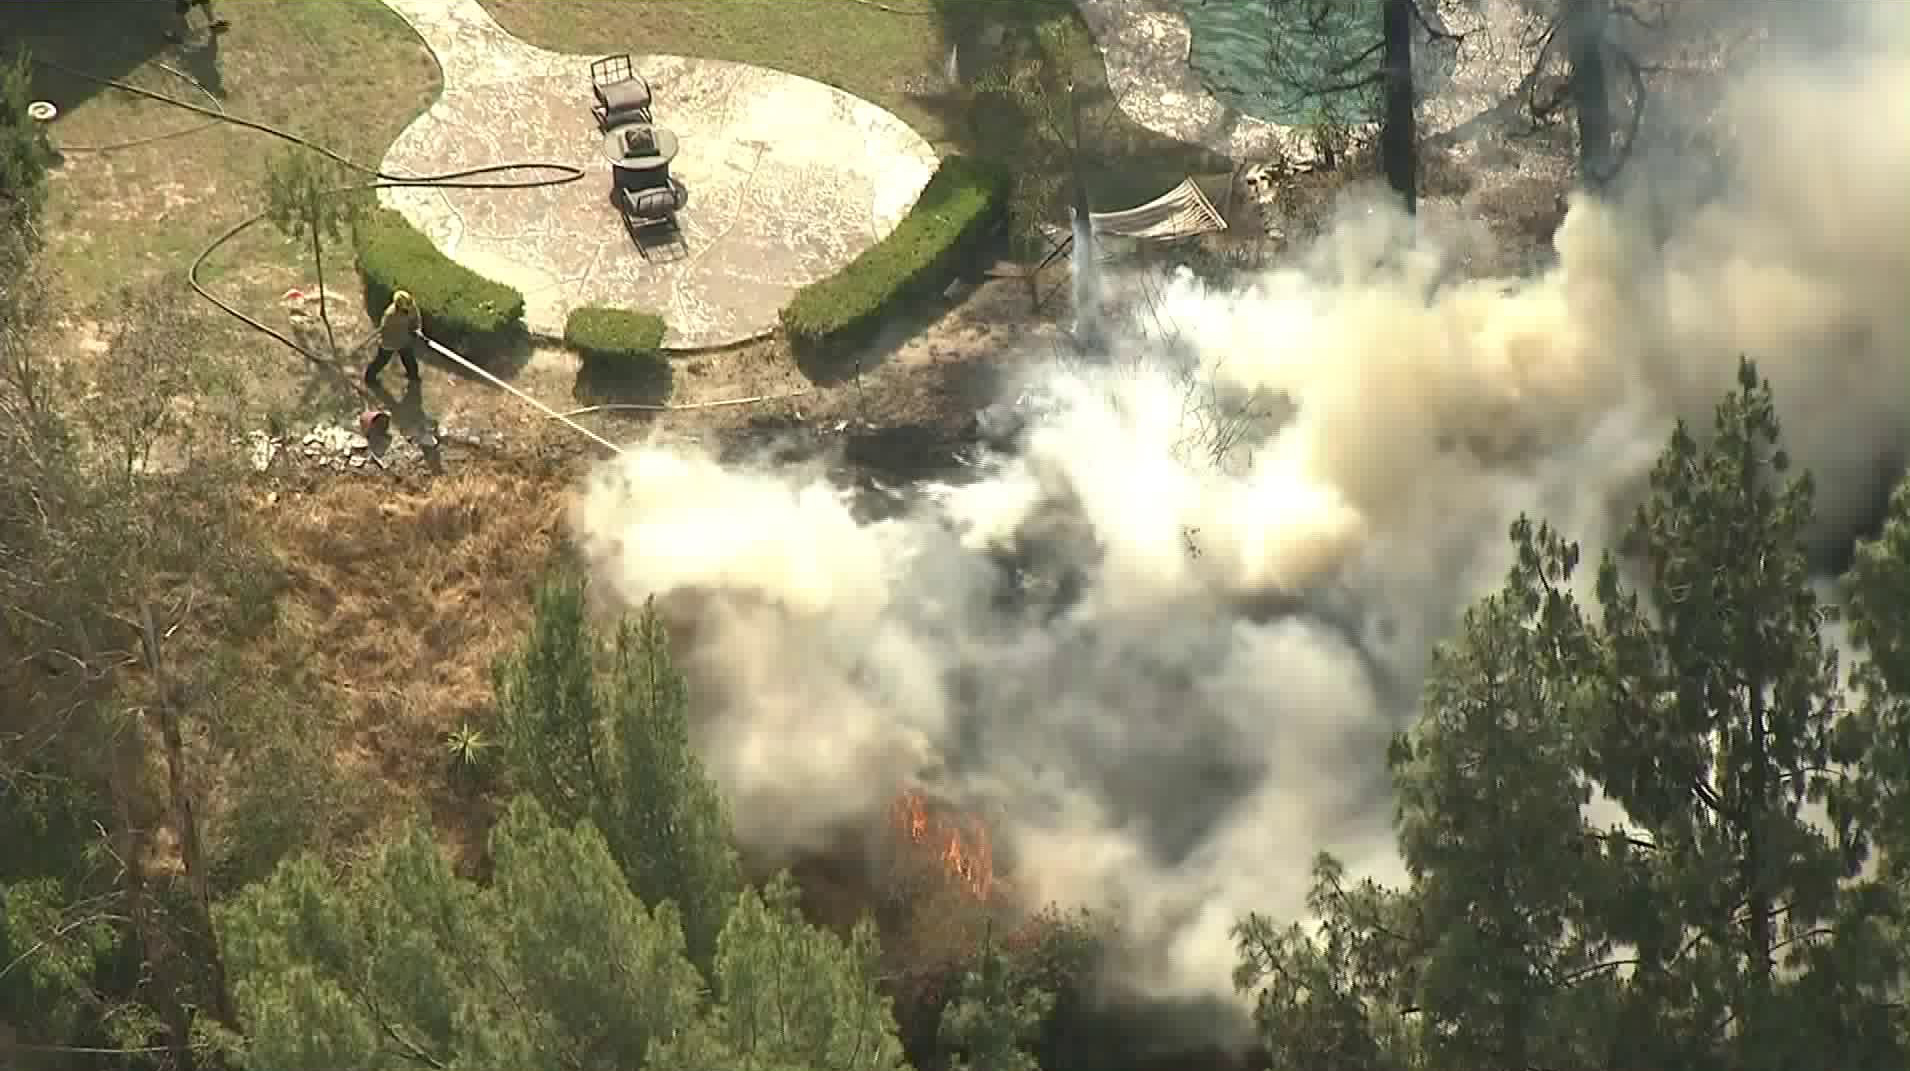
556,964
790,997
602,732
1491,825
1717,923
1712,727
993,1016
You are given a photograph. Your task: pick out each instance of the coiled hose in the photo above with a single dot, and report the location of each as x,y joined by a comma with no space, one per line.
470,179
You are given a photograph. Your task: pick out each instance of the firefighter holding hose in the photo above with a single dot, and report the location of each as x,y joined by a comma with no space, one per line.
398,331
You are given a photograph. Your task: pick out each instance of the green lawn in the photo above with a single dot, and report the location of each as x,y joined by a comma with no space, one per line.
347,72
895,60
887,58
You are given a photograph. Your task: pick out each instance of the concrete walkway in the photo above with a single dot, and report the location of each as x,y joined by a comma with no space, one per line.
788,180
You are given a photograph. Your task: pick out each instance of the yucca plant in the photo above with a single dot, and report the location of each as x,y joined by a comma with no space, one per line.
468,749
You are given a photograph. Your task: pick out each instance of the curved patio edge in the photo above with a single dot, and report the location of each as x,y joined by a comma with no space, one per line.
790,179
1145,45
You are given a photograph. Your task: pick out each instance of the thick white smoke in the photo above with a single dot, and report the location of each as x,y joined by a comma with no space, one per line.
1206,708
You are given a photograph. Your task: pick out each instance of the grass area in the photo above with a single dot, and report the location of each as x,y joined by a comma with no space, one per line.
348,73
890,59
393,603
895,60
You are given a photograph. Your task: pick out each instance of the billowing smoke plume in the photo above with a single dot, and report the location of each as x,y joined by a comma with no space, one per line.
1189,697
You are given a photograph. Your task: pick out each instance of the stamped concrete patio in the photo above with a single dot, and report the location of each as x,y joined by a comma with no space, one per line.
788,180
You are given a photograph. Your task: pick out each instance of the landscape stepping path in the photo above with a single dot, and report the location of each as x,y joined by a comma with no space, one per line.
788,180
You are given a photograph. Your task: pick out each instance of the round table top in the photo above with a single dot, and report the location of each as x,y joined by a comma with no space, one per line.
613,147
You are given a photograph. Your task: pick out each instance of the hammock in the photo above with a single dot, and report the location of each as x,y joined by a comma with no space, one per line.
1182,212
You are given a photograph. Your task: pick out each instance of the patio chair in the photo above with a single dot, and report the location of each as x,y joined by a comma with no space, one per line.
622,94
651,214
654,206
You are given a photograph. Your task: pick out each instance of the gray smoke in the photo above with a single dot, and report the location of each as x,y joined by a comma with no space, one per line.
1188,695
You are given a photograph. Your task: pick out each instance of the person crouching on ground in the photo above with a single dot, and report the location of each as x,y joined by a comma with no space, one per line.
397,333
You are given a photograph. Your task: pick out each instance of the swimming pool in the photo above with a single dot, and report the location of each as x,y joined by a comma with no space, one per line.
1234,42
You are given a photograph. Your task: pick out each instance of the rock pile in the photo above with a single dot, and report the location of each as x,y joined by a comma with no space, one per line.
334,446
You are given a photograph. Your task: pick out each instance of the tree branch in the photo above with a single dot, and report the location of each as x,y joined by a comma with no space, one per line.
1705,796
58,933
1571,977
409,1049
1808,935
1624,838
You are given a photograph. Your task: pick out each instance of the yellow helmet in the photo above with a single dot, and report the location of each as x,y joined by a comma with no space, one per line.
402,299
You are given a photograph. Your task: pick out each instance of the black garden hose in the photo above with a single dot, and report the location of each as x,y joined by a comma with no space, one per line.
469,179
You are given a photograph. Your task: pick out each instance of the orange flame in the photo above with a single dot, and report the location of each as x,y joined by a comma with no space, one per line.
961,848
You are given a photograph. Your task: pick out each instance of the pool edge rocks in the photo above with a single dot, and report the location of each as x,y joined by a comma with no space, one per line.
1146,45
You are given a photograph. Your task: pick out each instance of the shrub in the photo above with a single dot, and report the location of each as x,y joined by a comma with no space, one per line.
919,258
622,353
614,336
459,305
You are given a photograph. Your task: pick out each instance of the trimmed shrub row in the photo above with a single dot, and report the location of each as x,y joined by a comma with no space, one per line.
614,337
459,305
919,258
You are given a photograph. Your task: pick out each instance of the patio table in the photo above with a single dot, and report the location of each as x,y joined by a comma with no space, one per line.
647,168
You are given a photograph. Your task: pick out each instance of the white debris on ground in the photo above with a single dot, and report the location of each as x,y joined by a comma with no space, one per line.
325,445
264,449
335,446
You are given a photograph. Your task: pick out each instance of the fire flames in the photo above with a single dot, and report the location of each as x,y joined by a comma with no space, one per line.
960,847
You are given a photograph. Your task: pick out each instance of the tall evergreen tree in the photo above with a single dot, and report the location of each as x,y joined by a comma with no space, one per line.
405,965
601,731
790,997
1491,825
1723,920
994,1015
1712,727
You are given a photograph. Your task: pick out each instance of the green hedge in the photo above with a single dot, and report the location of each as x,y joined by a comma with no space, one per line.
459,305
920,257
614,336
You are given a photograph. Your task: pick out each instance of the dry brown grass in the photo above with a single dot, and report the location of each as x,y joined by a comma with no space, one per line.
399,601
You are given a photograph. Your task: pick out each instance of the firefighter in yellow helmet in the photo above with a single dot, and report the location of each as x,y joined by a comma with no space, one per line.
397,332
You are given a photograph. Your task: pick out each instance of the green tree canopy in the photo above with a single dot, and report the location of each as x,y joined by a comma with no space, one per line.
996,1012
600,730
790,997
24,152
1879,588
554,963
403,964
1724,920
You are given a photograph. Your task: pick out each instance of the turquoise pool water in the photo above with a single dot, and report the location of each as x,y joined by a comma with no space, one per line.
1236,42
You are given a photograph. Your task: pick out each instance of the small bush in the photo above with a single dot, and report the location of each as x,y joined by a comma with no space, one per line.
459,305
614,336
622,354
919,258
